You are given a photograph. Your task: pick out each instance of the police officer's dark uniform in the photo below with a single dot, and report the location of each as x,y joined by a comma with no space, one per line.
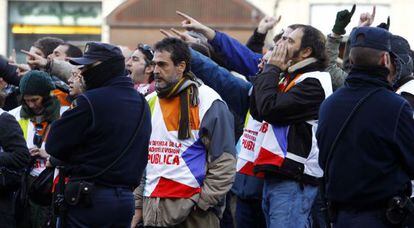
94,133
372,159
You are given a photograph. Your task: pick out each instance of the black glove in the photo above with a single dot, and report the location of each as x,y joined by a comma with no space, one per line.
385,26
342,20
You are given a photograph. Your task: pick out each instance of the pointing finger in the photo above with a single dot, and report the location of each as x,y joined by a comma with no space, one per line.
373,12
185,16
353,9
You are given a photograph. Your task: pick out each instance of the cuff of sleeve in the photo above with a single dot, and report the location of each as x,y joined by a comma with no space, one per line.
203,205
215,41
337,39
271,68
259,35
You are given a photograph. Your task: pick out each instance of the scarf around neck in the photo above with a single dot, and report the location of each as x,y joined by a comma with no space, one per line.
50,113
187,89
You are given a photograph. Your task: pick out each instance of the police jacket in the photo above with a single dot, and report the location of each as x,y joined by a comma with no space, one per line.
97,129
374,156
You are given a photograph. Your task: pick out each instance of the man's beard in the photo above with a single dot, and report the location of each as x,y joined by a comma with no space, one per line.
168,85
295,57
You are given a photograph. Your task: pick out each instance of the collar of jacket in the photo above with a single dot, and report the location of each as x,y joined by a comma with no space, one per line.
368,76
301,64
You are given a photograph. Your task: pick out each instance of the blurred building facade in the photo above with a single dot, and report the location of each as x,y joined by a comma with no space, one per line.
140,21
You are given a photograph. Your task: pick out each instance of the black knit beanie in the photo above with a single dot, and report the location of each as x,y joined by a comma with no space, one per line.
36,82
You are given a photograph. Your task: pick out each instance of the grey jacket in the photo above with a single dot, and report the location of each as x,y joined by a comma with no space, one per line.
338,75
217,134
60,69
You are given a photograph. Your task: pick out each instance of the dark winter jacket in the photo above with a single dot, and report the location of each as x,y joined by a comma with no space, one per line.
92,135
13,150
374,156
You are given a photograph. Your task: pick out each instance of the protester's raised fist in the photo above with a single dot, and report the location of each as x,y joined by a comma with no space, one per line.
180,35
192,24
267,23
366,19
342,20
34,60
384,25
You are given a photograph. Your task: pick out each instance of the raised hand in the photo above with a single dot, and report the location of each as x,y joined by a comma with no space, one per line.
384,25
267,23
35,60
192,24
342,20
366,19
180,35
22,69
12,57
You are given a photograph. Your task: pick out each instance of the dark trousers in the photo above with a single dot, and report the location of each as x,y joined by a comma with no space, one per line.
227,219
249,213
111,207
361,219
7,210
319,212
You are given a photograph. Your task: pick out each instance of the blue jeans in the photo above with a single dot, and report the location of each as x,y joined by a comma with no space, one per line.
111,207
287,203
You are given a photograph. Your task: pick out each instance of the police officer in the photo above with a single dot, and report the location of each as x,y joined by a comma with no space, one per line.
104,141
365,137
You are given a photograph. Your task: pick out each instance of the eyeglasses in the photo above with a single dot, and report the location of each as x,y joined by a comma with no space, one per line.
147,51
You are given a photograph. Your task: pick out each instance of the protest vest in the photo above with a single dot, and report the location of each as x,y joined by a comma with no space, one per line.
408,87
176,168
272,151
28,128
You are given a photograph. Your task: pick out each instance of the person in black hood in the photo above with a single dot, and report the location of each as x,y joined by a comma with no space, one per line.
107,131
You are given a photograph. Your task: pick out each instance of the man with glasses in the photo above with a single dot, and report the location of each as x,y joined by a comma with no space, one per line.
141,69
103,140
38,111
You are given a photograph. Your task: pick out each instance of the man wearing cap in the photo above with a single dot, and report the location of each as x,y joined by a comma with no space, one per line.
365,137
104,141
38,111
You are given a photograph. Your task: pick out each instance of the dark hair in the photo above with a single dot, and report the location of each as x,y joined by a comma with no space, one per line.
178,49
73,51
364,56
315,40
147,51
48,44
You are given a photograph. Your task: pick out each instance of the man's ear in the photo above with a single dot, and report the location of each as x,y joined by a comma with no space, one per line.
385,59
181,67
149,68
305,53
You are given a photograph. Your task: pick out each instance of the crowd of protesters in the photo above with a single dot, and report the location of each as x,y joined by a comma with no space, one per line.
200,130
